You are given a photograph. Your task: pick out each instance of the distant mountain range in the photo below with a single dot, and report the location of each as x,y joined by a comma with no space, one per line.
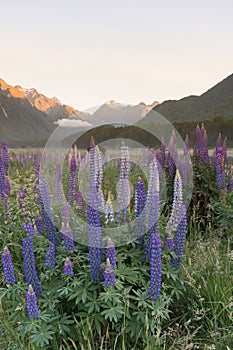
114,112
28,117
216,102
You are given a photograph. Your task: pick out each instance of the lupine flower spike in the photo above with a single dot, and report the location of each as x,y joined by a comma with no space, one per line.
31,303
8,268
68,268
109,278
156,266
50,255
111,253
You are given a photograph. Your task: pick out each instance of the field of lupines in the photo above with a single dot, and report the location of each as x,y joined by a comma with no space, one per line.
115,266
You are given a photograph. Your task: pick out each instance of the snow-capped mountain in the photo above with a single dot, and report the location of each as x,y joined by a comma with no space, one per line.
114,112
51,106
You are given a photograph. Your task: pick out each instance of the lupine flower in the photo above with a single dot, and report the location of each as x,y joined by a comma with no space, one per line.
169,242
66,214
68,268
220,168
176,214
29,264
111,252
31,303
98,168
72,182
29,228
123,188
62,230
21,196
161,156
2,179
4,154
80,202
156,266
68,239
200,147
179,239
39,224
172,155
109,277
8,268
140,204
46,214
50,256
152,205
58,184
94,235
108,210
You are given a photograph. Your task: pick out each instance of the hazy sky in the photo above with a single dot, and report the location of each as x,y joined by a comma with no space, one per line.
87,52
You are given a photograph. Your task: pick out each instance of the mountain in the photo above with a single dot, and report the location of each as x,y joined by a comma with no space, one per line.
51,106
114,112
216,102
20,122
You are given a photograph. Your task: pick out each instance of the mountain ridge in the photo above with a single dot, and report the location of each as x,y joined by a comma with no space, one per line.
215,102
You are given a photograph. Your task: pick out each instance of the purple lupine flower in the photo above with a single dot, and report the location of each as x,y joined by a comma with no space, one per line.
31,303
80,202
98,168
161,156
72,182
109,277
8,268
200,147
91,158
68,268
39,224
156,266
68,238
169,242
111,252
108,210
4,154
152,206
2,179
176,214
219,141
29,264
179,239
46,213
123,187
94,235
62,230
66,214
220,168
172,155
58,184
50,256
29,228
21,196
140,204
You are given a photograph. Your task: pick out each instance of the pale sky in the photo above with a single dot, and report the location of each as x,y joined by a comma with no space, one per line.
87,52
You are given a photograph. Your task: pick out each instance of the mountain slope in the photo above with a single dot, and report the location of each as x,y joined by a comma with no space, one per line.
20,122
51,106
217,101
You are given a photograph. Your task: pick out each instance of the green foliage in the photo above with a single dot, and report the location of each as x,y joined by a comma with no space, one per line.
194,310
